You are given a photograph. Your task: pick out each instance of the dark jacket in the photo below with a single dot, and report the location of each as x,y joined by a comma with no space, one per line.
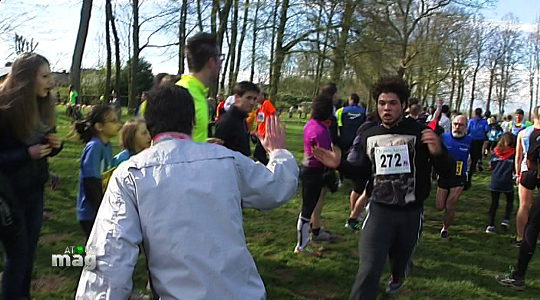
381,152
502,165
25,174
233,131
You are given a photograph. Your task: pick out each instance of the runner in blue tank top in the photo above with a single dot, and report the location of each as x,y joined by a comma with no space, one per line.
451,187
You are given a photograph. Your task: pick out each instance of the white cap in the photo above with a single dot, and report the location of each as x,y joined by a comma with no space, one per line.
229,102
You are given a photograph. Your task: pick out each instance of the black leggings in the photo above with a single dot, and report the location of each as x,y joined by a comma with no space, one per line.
495,205
312,183
476,154
532,229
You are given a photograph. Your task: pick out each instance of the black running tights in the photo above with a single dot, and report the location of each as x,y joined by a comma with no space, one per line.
495,205
532,229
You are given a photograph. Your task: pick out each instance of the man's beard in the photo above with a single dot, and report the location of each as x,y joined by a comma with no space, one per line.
458,134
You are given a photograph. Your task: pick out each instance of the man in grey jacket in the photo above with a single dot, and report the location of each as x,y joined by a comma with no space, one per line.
183,200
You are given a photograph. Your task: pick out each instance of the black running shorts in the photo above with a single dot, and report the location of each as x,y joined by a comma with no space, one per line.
447,183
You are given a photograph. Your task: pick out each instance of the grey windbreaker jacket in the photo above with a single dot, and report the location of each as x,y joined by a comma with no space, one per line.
184,201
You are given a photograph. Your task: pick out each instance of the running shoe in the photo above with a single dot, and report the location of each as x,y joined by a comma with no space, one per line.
307,252
510,281
480,168
505,224
516,242
444,235
392,286
323,236
490,229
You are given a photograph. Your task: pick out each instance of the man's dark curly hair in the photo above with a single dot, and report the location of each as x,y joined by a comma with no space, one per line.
391,84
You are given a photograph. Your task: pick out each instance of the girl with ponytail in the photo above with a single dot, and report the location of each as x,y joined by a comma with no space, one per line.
96,131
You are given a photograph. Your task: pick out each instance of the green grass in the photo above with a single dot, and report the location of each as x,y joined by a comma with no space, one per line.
463,268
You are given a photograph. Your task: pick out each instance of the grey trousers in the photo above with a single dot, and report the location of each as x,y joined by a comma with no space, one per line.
386,232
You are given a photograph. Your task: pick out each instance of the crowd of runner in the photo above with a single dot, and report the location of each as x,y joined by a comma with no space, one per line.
182,146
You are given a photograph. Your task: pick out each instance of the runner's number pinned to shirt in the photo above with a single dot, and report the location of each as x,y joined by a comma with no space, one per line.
459,167
392,160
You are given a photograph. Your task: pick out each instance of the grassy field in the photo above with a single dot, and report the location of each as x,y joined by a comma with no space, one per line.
463,268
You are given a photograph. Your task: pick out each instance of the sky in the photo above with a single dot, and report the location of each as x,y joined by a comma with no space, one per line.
54,24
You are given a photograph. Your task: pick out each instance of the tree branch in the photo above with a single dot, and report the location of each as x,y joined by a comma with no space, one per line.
151,34
392,25
158,16
161,46
303,36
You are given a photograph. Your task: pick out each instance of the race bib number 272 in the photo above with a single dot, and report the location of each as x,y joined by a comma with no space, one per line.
392,160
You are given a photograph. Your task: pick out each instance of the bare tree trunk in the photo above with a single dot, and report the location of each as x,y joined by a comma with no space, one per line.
537,86
232,46
473,87
241,43
320,56
459,86
223,17
461,92
490,89
339,57
199,16
280,51
75,73
107,92
213,16
531,88
224,68
134,59
116,50
506,86
182,36
255,30
272,45
453,89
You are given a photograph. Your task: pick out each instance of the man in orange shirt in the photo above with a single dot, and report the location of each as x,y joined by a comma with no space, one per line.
264,110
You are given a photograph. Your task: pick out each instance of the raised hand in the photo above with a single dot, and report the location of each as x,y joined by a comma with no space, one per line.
331,159
432,140
275,135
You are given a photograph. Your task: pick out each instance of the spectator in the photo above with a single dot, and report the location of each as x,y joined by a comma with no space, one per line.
28,137
167,198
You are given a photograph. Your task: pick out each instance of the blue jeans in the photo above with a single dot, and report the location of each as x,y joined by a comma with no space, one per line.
19,257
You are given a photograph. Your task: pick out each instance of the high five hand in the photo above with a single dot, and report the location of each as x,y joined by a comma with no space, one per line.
328,158
275,135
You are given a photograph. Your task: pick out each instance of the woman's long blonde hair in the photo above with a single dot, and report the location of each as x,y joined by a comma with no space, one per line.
20,110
